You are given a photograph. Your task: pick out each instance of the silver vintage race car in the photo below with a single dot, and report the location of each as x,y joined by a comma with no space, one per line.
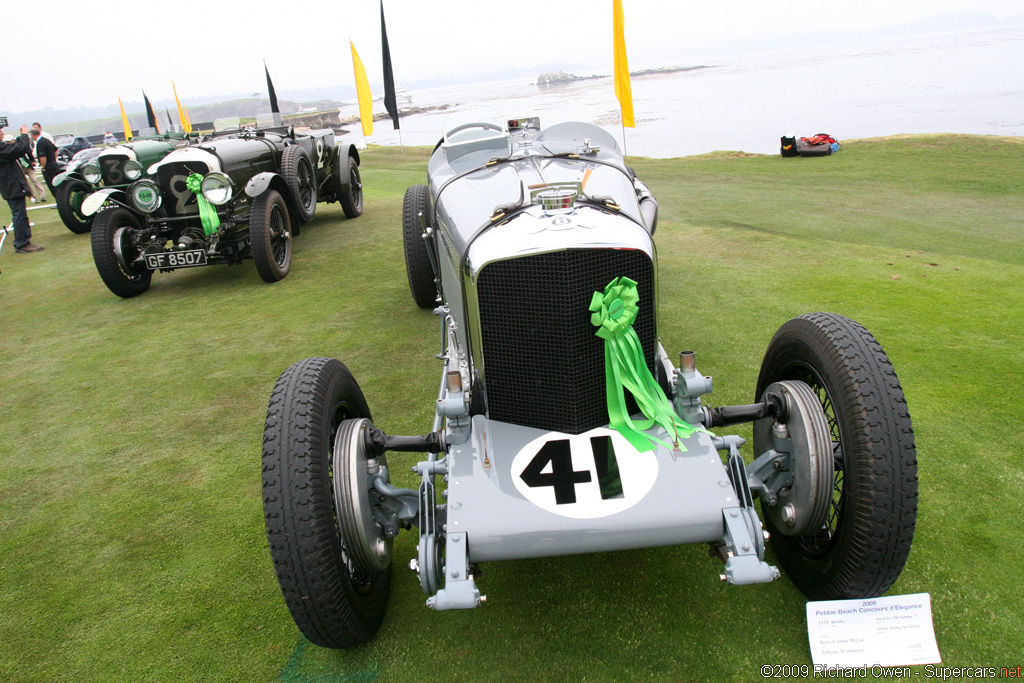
561,425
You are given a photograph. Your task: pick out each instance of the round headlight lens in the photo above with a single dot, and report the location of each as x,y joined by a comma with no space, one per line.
217,188
132,170
145,196
91,174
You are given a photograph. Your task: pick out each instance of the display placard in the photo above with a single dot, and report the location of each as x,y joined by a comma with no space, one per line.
890,631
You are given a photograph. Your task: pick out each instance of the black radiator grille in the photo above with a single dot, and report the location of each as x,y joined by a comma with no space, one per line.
543,364
112,169
178,199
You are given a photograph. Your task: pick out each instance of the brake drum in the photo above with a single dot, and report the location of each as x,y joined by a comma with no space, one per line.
802,507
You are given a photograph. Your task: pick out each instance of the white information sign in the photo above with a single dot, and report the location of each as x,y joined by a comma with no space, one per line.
891,631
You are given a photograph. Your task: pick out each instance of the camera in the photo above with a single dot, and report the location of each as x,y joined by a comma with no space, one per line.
3,121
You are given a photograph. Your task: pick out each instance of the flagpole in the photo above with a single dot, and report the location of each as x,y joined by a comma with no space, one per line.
623,138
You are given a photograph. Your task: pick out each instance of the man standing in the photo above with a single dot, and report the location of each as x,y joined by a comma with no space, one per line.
28,165
46,154
14,189
37,128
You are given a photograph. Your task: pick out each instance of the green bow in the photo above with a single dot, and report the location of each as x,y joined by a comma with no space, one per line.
207,212
613,313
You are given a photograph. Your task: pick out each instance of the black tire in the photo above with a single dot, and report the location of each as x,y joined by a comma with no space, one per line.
270,238
69,196
332,604
351,201
298,174
417,259
124,282
866,538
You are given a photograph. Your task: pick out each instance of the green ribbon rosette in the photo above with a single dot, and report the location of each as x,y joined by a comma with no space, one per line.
613,313
207,212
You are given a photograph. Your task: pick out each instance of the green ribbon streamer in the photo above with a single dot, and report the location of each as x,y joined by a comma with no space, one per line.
207,212
613,313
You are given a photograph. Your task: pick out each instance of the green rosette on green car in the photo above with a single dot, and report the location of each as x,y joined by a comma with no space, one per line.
207,211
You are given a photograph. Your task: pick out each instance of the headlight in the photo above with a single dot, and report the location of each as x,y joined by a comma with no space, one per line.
216,188
145,196
91,174
132,170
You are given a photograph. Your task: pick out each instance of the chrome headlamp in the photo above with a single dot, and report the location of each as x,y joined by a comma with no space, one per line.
217,188
145,196
132,170
91,174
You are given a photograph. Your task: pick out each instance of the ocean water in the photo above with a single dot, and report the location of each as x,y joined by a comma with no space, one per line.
969,82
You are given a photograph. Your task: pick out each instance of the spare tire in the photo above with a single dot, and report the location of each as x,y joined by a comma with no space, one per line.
415,219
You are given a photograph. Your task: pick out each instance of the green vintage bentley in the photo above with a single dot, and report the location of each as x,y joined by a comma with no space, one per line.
118,166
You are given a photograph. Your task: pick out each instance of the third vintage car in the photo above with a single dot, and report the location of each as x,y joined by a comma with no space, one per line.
561,424
238,195
116,166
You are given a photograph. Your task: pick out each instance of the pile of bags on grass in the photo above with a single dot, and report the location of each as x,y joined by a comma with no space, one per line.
819,145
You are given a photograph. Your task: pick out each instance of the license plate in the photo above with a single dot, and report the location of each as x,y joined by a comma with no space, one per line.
176,259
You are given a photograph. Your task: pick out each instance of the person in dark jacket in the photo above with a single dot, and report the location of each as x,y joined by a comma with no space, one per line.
46,154
14,189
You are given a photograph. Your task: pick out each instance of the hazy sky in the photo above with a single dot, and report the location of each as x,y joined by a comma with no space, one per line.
96,50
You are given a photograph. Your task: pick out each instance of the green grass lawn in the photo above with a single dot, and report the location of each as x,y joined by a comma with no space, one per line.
132,545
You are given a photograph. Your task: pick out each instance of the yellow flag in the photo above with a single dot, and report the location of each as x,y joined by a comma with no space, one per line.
363,92
186,124
124,121
622,89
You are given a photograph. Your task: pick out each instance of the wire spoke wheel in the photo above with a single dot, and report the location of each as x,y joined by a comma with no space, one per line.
820,541
305,185
115,253
860,548
352,200
270,237
69,196
297,171
278,236
332,601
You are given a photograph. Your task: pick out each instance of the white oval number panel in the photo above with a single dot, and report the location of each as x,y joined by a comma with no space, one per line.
595,474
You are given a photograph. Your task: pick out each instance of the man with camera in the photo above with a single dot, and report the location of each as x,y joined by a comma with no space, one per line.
14,189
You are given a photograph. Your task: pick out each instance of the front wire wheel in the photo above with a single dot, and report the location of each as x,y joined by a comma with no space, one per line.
863,543
333,602
69,196
270,238
115,255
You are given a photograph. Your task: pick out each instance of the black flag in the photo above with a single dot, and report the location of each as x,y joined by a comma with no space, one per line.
390,101
270,91
150,114
170,123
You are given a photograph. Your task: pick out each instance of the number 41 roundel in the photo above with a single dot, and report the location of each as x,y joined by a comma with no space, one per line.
594,474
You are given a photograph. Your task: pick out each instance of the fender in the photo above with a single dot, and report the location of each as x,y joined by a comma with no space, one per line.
259,183
93,202
340,169
61,177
